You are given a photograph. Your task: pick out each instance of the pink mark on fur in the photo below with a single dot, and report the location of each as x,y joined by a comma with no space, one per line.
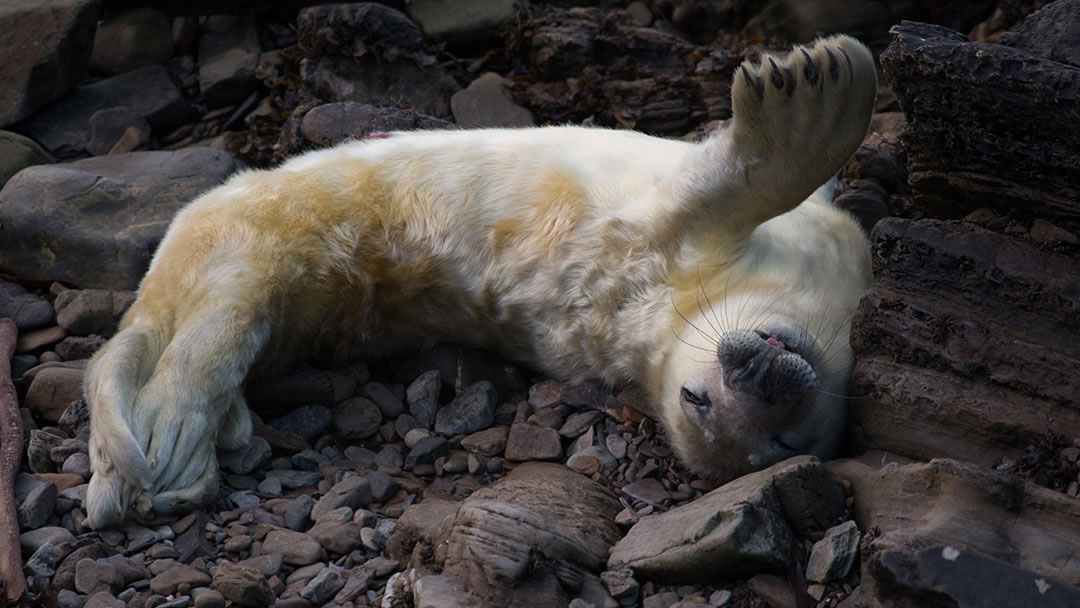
776,343
376,136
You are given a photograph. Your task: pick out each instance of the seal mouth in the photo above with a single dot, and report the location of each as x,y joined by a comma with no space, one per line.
779,342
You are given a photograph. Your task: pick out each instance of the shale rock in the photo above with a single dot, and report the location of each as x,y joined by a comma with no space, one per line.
941,374
984,124
968,507
95,222
747,526
17,153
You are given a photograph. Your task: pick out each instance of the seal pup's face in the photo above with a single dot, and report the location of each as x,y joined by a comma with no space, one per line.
751,397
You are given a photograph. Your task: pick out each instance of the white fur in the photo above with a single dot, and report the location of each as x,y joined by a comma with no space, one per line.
577,251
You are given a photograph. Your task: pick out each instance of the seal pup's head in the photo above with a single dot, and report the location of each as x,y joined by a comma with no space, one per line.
738,400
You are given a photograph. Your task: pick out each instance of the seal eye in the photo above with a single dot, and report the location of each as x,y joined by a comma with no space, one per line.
694,400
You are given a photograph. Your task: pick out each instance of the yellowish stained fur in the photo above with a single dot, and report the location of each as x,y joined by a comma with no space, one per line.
579,251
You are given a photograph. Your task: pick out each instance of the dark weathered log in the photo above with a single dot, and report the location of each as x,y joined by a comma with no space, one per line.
966,344
11,448
987,125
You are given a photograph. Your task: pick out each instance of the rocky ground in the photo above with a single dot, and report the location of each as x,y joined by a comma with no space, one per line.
455,478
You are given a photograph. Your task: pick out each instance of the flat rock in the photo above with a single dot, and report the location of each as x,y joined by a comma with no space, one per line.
63,127
472,410
102,216
32,540
427,451
323,587
296,549
309,421
242,585
744,527
333,123
356,418
954,577
381,395
179,574
248,458
27,310
530,442
992,513
46,50
353,492
489,442
291,480
539,509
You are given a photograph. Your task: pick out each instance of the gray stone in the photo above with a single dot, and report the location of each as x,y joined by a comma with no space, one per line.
35,499
389,404
78,347
461,22
16,153
269,565
578,423
131,39
39,448
390,455
323,587
599,452
43,561
26,309
832,557
67,598
242,585
246,459
531,442
648,490
955,577
352,492
333,123
360,455
357,583
621,585
427,451
20,364
244,499
271,486
63,128
383,486
298,513
295,479
32,540
473,410
309,421
487,102
228,55
746,526
77,464
52,390
85,312
108,126
414,436
167,582
489,442
423,397
309,460
92,576
103,599
102,216
356,418
336,534
46,48
296,549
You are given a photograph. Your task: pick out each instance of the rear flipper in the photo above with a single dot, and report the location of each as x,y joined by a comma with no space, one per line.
156,420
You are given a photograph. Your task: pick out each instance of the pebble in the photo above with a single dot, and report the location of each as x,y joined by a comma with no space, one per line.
299,512
309,460
356,418
295,548
426,451
383,486
242,585
308,421
488,442
295,479
323,587
352,492
381,395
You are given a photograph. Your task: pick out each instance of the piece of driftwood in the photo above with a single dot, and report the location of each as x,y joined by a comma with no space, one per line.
988,125
965,343
11,448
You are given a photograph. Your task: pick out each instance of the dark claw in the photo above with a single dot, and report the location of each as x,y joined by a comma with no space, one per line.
753,83
777,78
790,76
810,70
834,67
850,67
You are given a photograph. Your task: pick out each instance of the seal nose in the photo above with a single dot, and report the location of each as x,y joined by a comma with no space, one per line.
758,367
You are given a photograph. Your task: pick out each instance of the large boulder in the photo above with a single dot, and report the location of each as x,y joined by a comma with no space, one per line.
96,222
46,47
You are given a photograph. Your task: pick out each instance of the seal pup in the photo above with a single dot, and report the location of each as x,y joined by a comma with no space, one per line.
692,269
